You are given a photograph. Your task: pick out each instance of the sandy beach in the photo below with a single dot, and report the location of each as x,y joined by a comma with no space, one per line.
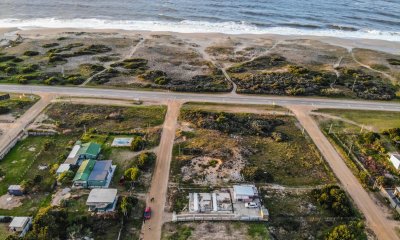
379,45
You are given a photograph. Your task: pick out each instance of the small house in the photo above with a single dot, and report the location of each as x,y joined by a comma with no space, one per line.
82,175
102,200
20,225
16,190
63,168
244,193
83,151
395,160
101,175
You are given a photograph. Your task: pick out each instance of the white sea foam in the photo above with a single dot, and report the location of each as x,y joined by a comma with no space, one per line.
193,27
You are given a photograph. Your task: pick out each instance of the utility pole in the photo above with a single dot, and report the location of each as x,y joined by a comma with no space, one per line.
330,129
362,128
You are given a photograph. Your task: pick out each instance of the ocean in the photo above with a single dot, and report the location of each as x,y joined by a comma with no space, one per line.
371,19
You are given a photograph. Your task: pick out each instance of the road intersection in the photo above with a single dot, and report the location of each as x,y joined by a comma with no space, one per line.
301,107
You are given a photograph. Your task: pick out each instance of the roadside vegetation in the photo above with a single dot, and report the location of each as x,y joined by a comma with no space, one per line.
16,104
275,75
366,143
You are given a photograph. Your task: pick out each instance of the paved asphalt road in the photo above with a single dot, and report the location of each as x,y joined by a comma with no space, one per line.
220,98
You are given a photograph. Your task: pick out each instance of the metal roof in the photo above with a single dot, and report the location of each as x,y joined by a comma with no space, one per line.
100,170
90,148
63,168
84,170
19,222
15,187
101,195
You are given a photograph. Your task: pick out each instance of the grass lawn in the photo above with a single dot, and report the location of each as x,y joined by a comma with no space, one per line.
380,120
22,163
4,233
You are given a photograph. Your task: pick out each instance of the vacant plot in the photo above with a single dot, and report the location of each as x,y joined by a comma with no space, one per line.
296,214
216,148
215,230
378,120
16,105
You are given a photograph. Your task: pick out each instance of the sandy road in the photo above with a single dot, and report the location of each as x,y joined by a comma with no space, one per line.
159,183
13,129
376,219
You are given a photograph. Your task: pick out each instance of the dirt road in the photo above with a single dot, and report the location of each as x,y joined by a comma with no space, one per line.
159,183
376,219
13,129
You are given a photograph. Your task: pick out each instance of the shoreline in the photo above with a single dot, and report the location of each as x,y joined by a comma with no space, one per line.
348,43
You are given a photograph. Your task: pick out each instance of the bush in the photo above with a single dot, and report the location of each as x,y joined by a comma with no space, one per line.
132,174
4,110
66,177
31,53
145,160
138,144
352,231
333,198
50,45
30,68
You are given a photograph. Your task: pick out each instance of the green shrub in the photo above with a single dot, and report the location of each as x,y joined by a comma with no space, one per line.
352,231
333,198
50,45
256,174
132,174
138,143
4,109
31,53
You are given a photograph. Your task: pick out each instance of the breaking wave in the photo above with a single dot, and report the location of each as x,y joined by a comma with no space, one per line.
188,26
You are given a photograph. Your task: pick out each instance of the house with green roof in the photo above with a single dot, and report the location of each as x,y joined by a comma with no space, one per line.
82,151
83,173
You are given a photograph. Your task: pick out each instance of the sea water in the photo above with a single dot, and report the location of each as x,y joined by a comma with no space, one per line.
372,19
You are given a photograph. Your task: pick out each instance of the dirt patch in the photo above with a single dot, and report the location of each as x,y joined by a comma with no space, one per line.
9,202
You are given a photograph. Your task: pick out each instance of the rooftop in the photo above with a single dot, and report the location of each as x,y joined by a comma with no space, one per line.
19,222
101,195
100,170
63,168
90,148
84,170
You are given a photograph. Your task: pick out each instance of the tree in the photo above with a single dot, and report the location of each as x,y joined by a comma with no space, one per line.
333,198
138,143
49,223
54,168
351,231
126,206
66,177
145,159
132,174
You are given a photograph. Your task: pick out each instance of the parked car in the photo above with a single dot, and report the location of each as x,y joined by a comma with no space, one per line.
147,213
251,205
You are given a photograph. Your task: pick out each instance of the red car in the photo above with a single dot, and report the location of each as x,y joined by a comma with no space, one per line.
147,213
